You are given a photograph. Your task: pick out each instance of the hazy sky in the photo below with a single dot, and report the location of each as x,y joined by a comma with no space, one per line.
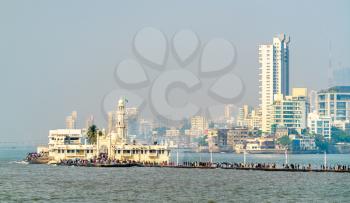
59,56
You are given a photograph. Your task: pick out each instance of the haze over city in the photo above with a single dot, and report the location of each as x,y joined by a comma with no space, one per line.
58,58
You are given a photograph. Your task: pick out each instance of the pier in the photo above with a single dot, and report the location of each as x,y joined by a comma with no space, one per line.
269,167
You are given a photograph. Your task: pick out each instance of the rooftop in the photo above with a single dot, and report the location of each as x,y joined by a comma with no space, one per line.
336,89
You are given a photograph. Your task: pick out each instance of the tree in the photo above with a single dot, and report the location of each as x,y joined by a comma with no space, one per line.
284,141
339,135
321,143
202,140
92,134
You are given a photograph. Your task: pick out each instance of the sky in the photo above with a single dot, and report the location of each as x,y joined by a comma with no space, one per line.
60,56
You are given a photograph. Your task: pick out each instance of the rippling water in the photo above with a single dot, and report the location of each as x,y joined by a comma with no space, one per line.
22,182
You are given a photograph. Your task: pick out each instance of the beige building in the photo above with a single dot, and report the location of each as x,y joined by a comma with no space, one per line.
69,144
71,121
73,144
199,123
249,117
173,132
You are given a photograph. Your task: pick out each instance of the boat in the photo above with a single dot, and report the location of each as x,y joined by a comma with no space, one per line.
37,158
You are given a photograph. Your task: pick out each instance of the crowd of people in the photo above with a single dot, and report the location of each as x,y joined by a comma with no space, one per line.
337,167
103,160
34,156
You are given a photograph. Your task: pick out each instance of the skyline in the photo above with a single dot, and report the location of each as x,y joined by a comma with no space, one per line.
64,73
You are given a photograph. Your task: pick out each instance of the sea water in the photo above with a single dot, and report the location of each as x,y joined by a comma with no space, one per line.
21,182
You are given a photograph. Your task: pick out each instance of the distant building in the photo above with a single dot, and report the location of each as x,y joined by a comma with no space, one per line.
341,77
303,143
89,122
172,132
320,125
229,110
334,103
71,121
111,123
274,74
239,136
133,121
146,128
249,117
193,133
280,131
199,123
313,100
290,111
217,139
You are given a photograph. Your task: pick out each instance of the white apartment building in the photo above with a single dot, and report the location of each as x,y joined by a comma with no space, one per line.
334,103
290,111
274,74
320,125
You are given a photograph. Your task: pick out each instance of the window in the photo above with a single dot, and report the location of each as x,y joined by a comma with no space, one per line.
321,97
343,97
341,105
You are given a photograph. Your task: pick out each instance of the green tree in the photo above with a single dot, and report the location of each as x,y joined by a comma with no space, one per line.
202,140
92,134
284,141
339,135
321,143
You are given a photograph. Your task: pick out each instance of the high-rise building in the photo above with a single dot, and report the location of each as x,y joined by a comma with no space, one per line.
341,77
312,100
71,121
133,120
145,128
244,112
334,103
111,119
229,108
74,115
199,123
274,74
89,122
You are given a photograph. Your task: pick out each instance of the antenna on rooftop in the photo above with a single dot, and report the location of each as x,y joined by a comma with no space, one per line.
330,69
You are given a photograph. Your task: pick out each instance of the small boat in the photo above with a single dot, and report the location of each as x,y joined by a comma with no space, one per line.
35,158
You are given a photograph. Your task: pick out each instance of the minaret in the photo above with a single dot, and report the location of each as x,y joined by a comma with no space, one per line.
121,124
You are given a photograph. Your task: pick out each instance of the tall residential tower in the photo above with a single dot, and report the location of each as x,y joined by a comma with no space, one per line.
274,74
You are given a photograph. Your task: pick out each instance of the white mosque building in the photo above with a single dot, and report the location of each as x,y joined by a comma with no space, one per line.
67,144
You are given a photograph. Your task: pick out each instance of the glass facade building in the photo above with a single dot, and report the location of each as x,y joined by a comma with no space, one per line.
334,103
